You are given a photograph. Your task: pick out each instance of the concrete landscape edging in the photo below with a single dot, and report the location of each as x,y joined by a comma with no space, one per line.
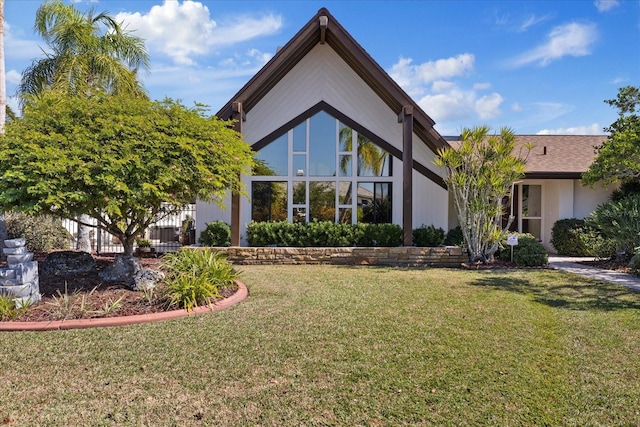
240,295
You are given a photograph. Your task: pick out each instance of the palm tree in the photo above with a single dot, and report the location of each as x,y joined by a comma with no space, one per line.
87,53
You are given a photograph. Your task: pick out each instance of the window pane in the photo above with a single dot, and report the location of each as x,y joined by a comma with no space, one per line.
299,214
269,201
300,137
345,134
344,215
372,160
322,201
374,202
299,193
531,200
273,158
300,164
322,145
532,226
346,191
345,165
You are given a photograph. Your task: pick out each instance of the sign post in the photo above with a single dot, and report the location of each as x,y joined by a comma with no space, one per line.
512,240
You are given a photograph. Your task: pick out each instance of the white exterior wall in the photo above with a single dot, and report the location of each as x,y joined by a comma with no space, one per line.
587,199
563,199
430,203
323,75
209,212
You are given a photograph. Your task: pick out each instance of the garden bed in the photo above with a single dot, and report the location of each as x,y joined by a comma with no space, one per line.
87,296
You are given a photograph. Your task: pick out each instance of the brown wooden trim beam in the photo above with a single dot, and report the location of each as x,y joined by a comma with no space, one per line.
239,118
407,174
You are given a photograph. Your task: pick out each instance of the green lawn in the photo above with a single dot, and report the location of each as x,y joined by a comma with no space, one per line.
326,345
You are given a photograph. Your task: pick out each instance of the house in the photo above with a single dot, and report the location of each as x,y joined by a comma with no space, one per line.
337,139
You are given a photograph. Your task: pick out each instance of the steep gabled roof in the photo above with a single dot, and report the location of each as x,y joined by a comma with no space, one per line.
324,28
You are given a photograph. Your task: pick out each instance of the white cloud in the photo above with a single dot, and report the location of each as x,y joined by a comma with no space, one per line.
572,39
519,24
516,107
488,106
413,77
605,5
592,129
13,77
185,30
431,84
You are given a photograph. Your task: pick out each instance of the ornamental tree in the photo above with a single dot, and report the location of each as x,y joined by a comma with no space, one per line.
124,161
618,158
480,174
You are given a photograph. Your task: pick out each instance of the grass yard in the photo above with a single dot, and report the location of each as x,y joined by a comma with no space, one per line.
328,345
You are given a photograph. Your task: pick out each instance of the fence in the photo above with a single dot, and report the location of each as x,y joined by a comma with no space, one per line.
166,235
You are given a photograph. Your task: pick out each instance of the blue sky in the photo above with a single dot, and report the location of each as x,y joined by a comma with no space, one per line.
535,66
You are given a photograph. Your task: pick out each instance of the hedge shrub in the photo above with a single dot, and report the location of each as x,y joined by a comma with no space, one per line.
454,237
217,233
575,237
428,236
529,252
322,234
43,233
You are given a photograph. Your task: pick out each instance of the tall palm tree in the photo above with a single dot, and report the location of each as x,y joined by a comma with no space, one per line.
87,53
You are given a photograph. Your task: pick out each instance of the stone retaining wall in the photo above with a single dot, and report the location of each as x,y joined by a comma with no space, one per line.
447,256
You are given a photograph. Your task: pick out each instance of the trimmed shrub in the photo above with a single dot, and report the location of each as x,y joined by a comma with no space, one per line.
529,252
619,221
454,237
43,233
195,276
378,234
426,236
217,233
634,263
322,234
575,237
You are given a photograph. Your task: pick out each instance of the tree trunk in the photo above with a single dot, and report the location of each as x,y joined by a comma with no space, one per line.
83,243
128,242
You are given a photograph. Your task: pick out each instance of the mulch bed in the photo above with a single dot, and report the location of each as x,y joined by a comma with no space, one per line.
97,294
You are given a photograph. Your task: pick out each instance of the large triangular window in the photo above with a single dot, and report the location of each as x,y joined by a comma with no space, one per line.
313,170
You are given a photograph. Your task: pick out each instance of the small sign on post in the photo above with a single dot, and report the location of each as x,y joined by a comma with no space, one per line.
512,240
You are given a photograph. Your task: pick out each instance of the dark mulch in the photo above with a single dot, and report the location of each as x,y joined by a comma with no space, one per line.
89,296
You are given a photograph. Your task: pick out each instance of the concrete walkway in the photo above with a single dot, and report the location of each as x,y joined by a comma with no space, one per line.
571,265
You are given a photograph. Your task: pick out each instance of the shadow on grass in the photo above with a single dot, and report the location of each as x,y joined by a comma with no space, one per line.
565,292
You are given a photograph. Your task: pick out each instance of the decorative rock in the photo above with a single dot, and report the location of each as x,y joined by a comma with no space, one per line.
20,280
66,263
122,269
15,243
15,251
145,279
17,259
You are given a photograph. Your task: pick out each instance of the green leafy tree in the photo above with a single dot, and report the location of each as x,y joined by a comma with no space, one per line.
481,173
126,162
618,158
87,52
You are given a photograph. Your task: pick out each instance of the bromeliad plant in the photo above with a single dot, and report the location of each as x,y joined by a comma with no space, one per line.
196,276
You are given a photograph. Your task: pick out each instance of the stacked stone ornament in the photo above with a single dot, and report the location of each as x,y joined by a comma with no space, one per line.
19,280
